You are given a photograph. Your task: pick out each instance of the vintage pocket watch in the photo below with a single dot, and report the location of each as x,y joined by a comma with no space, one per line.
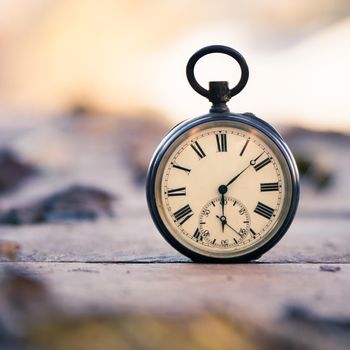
222,187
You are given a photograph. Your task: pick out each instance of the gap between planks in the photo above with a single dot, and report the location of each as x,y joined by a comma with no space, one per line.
162,262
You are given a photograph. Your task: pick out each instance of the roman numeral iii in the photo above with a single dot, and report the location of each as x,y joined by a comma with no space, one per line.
198,149
181,191
268,187
183,214
221,141
264,210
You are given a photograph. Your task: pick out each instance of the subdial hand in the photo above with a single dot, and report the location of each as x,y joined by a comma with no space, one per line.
233,229
223,221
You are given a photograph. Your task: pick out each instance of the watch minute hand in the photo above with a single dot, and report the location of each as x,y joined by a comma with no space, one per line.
237,176
252,162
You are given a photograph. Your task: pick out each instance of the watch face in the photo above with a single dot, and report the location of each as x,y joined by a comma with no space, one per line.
222,189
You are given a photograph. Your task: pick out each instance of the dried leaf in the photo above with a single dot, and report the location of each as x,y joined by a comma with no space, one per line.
9,250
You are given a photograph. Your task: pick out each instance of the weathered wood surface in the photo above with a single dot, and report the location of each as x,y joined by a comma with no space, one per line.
122,265
255,291
134,239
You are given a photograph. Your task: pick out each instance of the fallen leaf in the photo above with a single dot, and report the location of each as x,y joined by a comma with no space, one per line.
9,250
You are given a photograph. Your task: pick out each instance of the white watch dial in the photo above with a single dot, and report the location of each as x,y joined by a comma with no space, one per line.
255,189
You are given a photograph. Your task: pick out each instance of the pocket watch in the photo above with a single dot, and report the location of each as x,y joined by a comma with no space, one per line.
222,187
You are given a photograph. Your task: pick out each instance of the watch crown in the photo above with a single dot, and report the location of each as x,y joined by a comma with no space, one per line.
219,94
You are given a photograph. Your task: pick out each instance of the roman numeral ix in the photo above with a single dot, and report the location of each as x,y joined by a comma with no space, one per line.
221,141
183,214
268,187
181,191
198,149
264,210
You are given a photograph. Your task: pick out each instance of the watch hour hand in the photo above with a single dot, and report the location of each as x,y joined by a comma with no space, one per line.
222,189
222,203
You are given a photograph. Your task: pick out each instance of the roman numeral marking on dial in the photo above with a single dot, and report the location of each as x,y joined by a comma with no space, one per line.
181,191
262,164
198,149
221,141
268,187
183,214
264,210
244,147
252,232
181,168
198,235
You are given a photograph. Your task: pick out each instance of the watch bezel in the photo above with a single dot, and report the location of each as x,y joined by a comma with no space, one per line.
177,132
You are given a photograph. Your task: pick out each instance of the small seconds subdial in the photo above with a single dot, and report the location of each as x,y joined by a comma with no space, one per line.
223,222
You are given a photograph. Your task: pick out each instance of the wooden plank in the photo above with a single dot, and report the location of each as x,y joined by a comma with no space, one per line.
135,239
262,291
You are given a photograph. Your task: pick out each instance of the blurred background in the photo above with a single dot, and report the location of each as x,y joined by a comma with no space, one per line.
126,56
88,88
